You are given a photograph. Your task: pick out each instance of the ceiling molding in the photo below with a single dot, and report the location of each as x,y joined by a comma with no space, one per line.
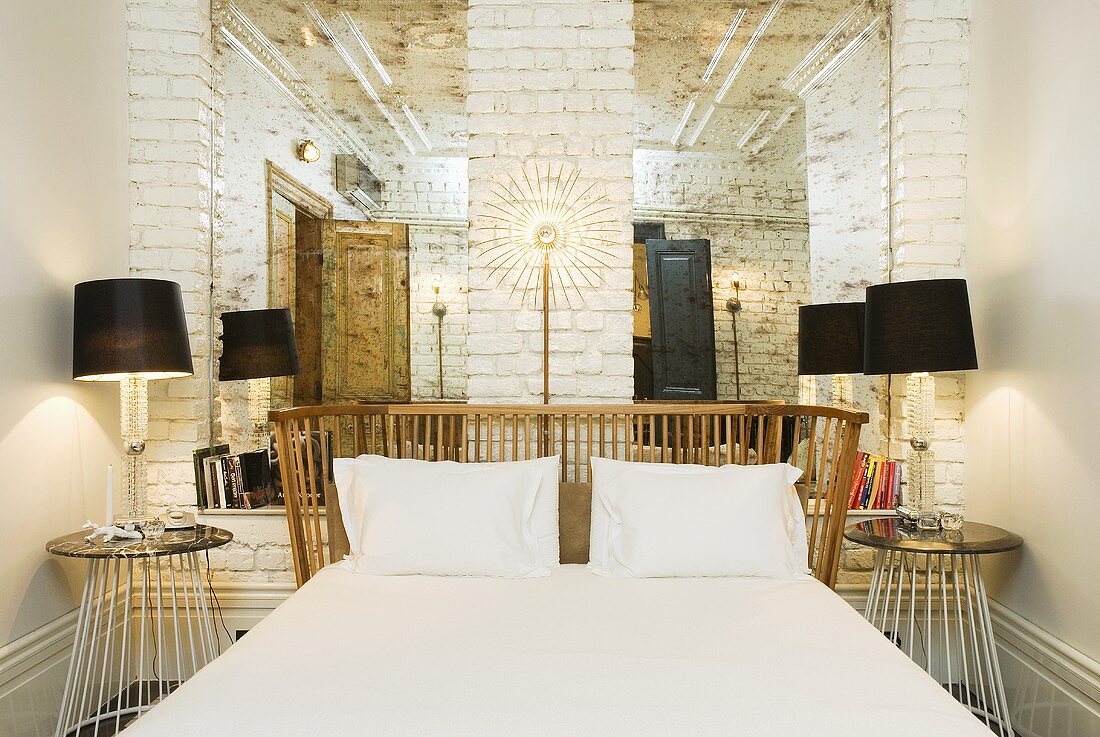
671,214
834,49
250,43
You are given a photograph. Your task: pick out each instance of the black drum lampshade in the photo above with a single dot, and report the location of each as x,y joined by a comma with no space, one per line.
257,344
129,327
919,326
830,339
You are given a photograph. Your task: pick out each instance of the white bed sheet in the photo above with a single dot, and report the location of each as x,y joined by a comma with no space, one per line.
574,654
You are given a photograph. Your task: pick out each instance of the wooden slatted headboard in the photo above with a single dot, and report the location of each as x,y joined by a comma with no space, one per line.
820,440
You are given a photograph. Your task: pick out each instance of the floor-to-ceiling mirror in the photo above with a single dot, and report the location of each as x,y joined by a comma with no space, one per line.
760,184
760,163
341,195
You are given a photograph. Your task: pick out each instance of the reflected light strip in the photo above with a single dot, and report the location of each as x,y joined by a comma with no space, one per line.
356,72
374,60
776,127
699,128
799,160
416,127
683,122
753,128
722,46
773,11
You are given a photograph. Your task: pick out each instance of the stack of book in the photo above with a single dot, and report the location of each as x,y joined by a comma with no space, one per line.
224,480
876,483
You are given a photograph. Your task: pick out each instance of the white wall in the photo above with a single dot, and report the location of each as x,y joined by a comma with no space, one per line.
63,219
1034,262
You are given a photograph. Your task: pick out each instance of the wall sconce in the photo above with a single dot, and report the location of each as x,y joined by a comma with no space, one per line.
439,310
307,151
733,306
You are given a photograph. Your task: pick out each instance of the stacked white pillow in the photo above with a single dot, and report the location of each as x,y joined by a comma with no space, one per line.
406,516
664,520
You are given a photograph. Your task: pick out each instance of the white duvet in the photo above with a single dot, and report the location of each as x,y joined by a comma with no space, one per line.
570,655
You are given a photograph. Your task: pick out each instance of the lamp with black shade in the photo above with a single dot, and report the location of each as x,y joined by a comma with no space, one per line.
130,331
919,328
258,345
830,341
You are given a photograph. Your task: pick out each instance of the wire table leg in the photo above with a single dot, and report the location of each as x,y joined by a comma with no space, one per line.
115,626
962,646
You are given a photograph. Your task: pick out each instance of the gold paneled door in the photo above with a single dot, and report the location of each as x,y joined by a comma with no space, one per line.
365,334
346,283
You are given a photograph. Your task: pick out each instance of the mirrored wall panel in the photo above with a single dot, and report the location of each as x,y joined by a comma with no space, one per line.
342,195
760,184
761,134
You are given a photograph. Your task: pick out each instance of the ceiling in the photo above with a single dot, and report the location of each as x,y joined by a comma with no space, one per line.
418,82
411,103
699,90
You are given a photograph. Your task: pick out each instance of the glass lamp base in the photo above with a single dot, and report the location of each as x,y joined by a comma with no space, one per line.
920,397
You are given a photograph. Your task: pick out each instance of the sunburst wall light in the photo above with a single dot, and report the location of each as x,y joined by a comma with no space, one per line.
549,239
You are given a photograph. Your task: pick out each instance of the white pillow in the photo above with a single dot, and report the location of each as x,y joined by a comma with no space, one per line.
545,519
444,519
660,519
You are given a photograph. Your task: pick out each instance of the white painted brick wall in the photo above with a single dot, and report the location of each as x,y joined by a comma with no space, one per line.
170,123
931,48
551,82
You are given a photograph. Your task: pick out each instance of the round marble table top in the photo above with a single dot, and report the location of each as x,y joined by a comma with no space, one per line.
172,542
974,538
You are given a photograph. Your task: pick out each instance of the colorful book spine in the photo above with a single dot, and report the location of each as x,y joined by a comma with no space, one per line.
876,482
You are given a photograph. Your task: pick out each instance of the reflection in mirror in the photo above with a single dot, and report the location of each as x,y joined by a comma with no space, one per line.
760,170
341,195
761,154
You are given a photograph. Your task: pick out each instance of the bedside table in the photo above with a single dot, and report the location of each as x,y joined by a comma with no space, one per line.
144,625
928,596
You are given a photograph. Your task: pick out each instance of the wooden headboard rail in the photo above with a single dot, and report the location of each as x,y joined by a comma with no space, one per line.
820,440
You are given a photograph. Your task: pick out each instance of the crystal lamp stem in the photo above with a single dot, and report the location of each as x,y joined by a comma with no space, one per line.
134,417
920,400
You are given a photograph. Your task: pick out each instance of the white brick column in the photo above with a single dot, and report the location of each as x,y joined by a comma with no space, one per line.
170,51
931,48
551,82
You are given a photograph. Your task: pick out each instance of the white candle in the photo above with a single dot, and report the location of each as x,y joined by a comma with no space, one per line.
110,496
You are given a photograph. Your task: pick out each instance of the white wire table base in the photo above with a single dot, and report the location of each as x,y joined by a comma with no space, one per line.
934,607
144,627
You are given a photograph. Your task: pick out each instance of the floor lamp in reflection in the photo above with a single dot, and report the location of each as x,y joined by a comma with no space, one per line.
439,309
733,306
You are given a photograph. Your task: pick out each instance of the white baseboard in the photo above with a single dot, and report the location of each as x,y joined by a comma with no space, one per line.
1054,690
32,676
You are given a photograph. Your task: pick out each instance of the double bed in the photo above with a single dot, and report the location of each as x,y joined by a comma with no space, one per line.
572,653
567,655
